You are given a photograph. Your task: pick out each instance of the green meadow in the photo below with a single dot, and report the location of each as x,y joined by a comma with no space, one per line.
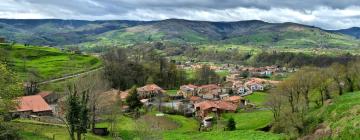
47,62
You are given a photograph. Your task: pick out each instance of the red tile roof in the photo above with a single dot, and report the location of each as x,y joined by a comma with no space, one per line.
34,103
226,105
210,86
234,98
194,98
150,87
204,105
223,105
261,81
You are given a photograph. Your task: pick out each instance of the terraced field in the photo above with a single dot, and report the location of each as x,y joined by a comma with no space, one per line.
46,62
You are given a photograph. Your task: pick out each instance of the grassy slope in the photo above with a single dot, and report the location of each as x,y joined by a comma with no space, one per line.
187,129
296,37
49,62
257,98
33,130
246,129
285,36
250,120
342,116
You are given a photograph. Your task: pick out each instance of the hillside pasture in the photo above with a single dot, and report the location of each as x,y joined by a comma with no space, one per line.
47,62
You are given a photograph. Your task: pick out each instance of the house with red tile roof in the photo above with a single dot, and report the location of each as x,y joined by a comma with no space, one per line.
194,99
149,90
238,87
204,108
255,84
210,91
188,90
237,100
32,105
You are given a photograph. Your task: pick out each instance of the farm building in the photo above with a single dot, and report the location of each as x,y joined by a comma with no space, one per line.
204,108
188,91
149,91
32,105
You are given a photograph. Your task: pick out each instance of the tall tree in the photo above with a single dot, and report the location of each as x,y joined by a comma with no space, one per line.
133,100
95,84
338,73
76,112
205,75
10,89
352,75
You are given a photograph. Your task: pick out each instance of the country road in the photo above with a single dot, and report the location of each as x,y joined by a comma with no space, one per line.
70,76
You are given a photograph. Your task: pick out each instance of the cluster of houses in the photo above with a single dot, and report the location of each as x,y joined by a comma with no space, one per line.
199,100
265,71
214,98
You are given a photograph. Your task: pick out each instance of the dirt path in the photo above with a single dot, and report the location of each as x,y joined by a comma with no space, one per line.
69,77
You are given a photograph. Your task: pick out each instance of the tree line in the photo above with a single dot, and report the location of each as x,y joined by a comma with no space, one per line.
248,57
126,67
291,59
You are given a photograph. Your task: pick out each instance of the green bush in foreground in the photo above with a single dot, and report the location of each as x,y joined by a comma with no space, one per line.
231,124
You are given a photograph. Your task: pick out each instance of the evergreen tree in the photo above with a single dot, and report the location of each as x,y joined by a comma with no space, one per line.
77,113
231,124
133,100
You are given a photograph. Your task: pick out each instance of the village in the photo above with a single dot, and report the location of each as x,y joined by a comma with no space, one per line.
203,102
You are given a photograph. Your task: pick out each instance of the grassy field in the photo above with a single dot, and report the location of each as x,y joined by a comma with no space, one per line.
257,98
225,135
47,63
32,130
171,92
125,127
246,125
169,127
250,120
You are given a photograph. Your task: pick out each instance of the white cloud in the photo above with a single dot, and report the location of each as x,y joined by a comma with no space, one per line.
328,14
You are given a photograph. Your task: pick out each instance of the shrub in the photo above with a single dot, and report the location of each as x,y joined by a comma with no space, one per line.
231,124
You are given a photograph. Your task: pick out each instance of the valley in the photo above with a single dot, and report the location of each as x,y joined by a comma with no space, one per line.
177,79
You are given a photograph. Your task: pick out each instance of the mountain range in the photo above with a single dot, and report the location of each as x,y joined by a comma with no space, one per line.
56,32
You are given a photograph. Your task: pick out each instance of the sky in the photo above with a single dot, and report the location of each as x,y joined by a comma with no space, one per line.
327,14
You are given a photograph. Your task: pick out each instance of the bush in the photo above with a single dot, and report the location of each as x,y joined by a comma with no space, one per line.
231,124
7,132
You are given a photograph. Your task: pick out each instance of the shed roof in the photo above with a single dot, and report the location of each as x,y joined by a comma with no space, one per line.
34,103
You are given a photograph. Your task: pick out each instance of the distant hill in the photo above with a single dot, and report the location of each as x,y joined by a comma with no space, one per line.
56,31
253,32
354,31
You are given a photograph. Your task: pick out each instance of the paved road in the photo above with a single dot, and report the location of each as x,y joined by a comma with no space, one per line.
70,76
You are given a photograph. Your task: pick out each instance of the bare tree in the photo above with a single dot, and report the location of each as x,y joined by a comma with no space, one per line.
94,84
337,73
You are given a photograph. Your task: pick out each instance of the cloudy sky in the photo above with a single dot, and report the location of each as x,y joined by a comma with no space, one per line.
328,14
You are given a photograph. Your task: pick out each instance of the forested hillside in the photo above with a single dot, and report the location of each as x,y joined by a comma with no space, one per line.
100,33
